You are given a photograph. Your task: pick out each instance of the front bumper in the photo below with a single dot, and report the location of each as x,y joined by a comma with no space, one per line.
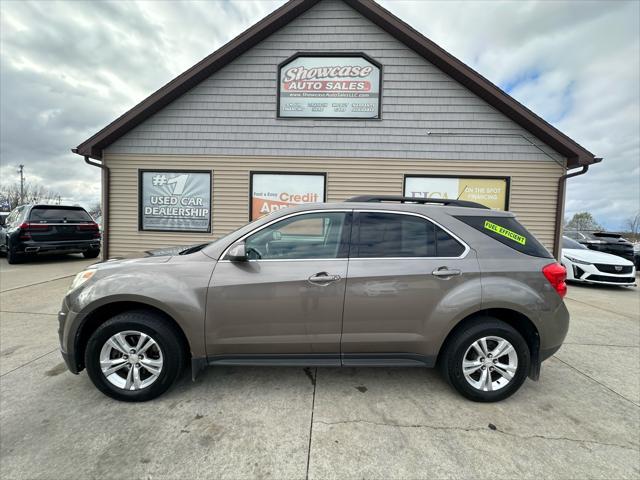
67,344
590,274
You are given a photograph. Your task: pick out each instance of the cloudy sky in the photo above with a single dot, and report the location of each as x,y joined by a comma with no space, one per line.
69,68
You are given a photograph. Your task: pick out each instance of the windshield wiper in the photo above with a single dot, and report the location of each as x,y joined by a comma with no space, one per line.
194,249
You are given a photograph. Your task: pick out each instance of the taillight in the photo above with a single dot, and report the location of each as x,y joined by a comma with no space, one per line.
557,276
28,227
88,226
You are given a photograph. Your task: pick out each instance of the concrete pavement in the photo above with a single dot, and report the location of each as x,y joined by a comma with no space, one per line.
581,420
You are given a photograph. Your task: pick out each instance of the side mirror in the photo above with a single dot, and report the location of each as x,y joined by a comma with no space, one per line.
237,253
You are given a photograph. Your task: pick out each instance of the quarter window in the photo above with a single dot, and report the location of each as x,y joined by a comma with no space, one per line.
308,236
387,235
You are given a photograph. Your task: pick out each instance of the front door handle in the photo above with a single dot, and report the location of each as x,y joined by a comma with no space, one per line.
323,278
446,272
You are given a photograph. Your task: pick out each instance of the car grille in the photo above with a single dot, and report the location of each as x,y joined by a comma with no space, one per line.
616,269
602,278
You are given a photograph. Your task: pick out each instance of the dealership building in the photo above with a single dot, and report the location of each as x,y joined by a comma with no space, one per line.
320,101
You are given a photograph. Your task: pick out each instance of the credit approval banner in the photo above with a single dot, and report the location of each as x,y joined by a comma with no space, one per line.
329,87
491,192
178,201
274,191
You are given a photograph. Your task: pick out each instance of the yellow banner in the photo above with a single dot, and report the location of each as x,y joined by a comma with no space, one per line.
491,192
505,232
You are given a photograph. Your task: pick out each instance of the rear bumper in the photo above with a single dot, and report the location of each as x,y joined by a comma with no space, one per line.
553,330
70,246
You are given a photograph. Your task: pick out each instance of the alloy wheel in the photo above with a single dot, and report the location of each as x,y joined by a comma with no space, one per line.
131,360
490,363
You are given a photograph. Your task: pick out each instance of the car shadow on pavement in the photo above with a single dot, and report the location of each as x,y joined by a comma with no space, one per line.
54,258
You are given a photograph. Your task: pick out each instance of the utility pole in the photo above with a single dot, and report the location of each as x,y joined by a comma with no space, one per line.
21,172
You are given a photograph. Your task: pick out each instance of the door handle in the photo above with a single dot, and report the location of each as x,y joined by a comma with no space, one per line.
323,278
445,272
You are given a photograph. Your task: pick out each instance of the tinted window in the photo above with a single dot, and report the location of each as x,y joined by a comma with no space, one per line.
392,235
447,246
385,235
59,215
308,236
568,243
508,231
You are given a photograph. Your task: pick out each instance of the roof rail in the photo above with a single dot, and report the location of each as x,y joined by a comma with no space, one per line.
401,199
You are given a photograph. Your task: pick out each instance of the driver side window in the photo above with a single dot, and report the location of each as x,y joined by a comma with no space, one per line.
306,236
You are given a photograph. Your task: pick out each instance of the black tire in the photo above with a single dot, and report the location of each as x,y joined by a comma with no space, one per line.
13,257
149,323
452,356
91,253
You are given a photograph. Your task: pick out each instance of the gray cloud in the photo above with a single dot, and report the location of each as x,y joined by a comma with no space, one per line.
69,68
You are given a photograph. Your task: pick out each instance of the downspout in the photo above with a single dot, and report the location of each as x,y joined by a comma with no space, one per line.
562,186
105,202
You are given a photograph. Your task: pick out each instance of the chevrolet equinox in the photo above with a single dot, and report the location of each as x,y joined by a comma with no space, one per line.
374,281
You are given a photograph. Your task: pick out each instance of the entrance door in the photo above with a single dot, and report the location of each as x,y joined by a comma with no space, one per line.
402,268
287,299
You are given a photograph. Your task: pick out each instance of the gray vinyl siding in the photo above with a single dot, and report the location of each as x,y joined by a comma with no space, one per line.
533,189
233,112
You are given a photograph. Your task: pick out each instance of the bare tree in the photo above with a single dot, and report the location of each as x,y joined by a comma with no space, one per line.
583,221
95,210
632,225
33,193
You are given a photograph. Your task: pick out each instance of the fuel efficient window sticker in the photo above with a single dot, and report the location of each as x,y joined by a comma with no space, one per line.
505,232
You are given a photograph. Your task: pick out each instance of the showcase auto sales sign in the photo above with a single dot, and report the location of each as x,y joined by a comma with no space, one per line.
329,87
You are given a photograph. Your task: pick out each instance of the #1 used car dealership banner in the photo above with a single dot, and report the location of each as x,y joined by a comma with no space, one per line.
329,87
491,192
175,201
273,191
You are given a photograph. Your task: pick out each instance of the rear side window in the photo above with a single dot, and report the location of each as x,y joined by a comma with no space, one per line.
58,215
507,230
384,235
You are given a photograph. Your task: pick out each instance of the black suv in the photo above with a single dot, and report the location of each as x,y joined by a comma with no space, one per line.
607,242
37,229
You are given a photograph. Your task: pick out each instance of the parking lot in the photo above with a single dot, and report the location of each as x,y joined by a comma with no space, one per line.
581,420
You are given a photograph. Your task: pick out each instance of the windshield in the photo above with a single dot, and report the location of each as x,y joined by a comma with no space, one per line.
572,244
197,248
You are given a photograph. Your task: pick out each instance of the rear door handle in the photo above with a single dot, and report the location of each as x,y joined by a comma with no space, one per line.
323,278
445,272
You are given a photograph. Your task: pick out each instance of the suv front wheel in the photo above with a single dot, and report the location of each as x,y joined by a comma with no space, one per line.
487,361
134,357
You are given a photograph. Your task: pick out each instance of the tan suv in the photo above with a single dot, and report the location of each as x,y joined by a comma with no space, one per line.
376,281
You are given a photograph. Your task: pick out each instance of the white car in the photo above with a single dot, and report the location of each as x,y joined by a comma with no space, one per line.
584,265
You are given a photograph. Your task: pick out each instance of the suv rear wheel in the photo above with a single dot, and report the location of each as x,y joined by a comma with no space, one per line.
134,357
13,256
487,361
93,253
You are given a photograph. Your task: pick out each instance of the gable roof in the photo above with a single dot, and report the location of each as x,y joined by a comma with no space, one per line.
576,154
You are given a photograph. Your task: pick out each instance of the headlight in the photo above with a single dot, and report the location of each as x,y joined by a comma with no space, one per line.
575,260
81,278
